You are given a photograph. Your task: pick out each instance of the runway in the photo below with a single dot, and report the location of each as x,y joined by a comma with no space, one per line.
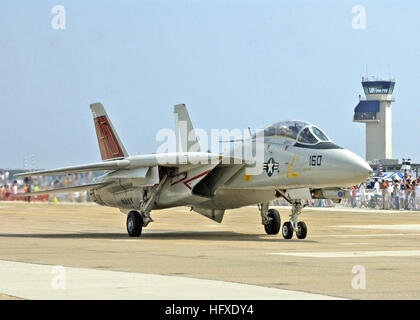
75,251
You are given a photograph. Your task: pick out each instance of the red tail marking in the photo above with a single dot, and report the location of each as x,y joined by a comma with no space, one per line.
108,143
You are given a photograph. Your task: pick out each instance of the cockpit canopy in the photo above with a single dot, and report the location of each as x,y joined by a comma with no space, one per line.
299,131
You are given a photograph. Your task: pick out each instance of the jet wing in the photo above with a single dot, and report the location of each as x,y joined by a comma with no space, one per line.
99,166
148,160
63,190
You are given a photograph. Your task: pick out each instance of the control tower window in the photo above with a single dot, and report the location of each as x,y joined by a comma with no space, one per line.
365,116
376,90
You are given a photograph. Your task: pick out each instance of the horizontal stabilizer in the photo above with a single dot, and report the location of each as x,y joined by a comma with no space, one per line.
62,190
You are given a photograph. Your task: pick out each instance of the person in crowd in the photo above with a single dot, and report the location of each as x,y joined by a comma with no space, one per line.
397,195
384,187
412,201
402,188
27,189
407,193
362,193
376,188
353,196
14,187
390,191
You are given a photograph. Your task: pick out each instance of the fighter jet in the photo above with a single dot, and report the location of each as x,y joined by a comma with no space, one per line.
297,162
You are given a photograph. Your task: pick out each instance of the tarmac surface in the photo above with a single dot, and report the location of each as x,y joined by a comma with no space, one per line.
82,251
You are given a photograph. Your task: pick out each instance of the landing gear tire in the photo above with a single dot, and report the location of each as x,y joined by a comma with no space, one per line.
302,230
287,230
273,227
134,224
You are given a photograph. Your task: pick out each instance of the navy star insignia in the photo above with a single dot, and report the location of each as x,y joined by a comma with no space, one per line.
270,166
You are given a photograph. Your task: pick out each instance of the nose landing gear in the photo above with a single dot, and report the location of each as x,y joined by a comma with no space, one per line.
299,227
272,222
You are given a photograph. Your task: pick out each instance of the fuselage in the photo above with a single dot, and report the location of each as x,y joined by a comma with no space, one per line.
289,162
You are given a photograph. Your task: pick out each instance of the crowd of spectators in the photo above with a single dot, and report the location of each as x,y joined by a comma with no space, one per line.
387,194
9,187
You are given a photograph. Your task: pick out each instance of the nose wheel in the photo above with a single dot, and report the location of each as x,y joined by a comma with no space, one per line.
299,227
287,230
301,230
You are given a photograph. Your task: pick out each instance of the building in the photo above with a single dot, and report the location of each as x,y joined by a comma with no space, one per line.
405,167
375,110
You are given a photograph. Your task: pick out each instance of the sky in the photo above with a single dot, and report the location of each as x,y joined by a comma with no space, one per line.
235,64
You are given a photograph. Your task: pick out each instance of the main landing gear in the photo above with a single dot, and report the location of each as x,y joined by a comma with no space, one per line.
134,224
136,220
271,221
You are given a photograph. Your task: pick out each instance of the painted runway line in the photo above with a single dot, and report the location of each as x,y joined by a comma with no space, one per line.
350,254
399,227
37,281
369,235
356,243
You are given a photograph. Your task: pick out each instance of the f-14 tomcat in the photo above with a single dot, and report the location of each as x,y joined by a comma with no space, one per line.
298,162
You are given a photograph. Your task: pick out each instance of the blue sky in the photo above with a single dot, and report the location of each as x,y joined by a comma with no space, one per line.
234,63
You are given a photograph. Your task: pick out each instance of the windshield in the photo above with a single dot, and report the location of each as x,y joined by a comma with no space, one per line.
285,129
319,134
299,131
306,136
312,135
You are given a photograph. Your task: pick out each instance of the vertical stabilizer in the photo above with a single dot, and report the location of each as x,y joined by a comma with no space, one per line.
110,144
186,139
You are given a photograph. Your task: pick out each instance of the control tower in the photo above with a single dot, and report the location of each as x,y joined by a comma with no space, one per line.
376,111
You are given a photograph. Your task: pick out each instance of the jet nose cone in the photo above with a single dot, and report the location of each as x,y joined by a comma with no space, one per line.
352,168
362,168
